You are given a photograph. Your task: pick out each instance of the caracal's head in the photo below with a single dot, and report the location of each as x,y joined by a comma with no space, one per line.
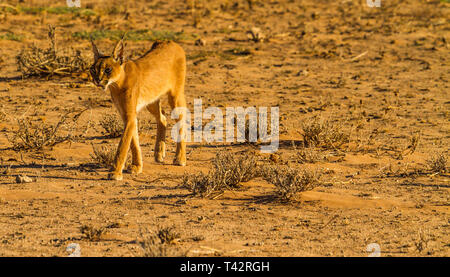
106,69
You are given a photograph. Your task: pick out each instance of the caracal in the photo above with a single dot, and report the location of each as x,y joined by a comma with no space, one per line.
139,84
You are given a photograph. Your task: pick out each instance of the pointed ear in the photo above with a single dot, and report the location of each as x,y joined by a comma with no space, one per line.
118,52
95,50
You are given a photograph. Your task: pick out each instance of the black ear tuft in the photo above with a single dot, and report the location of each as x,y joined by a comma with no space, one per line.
118,52
94,48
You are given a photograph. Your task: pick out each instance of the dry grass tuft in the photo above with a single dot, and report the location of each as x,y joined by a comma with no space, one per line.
309,155
106,155
437,162
2,115
228,172
168,235
48,62
290,181
92,233
324,133
32,135
236,168
158,244
112,125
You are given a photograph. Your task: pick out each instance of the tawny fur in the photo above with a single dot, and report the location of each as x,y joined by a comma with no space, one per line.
139,84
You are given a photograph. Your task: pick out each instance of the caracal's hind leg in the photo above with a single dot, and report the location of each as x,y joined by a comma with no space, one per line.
160,145
178,102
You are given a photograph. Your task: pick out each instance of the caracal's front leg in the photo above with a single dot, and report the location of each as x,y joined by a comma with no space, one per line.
129,133
136,164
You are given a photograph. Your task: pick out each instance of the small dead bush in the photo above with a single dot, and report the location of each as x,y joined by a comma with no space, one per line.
92,233
324,133
290,181
34,135
236,168
36,61
112,125
229,170
422,241
168,235
437,163
203,185
159,243
106,155
2,115
309,155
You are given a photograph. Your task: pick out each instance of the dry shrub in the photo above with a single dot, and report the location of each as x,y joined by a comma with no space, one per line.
236,169
324,133
158,244
2,116
106,155
92,233
168,235
413,143
309,155
229,170
36,135
422,241
290,181
112,125
203,185
437,162
36,61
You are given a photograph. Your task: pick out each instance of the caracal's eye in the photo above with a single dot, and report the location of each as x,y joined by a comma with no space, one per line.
108,70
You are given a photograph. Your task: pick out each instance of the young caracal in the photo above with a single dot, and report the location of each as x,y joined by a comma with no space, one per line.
139,84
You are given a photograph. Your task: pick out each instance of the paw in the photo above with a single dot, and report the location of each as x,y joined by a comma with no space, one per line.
115,176
160,153
136,169
180,162
159,157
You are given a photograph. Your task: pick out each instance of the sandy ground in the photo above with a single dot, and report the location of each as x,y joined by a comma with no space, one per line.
381,73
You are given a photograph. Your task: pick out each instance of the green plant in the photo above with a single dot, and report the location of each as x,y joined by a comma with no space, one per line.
12,36
51,10
134,35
